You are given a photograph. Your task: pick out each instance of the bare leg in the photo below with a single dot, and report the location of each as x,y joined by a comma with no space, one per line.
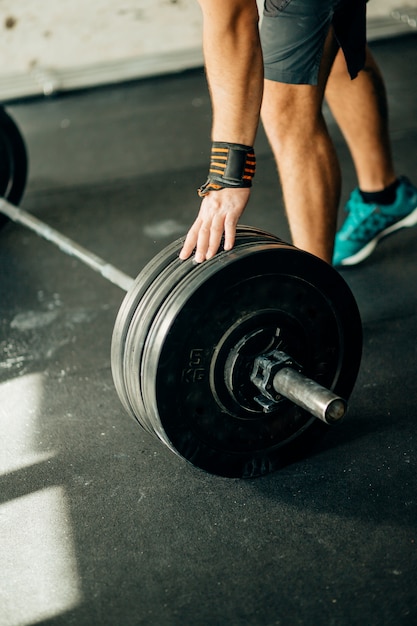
360,109
307,162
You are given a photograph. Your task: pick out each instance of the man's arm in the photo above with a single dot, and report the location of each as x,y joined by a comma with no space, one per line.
233,61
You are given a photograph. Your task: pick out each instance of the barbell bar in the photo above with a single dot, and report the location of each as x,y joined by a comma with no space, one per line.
67,245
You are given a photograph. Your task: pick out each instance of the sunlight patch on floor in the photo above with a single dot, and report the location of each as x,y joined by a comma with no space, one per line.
39,577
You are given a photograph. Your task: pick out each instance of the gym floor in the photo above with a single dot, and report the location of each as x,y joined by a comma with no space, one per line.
102,524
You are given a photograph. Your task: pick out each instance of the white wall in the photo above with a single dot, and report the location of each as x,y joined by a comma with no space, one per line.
47,45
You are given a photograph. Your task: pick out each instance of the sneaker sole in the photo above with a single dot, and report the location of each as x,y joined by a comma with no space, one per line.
358,257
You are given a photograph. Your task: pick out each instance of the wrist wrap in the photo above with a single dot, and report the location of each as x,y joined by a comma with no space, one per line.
231,165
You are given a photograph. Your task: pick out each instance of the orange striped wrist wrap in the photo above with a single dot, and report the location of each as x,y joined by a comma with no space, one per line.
231,165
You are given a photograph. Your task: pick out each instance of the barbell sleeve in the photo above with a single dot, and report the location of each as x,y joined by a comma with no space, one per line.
309,395
108,271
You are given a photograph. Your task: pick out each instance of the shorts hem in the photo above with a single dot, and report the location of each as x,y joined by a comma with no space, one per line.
291,78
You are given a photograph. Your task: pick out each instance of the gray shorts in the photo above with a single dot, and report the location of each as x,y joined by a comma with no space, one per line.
293,33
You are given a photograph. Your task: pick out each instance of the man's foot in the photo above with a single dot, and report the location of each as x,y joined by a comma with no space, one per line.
367,223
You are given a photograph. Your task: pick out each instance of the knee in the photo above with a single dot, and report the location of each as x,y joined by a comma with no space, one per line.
291,113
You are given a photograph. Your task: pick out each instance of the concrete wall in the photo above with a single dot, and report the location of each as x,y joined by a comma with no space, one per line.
48,45
66,33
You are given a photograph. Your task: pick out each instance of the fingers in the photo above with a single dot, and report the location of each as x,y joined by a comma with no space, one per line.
190,242
204,238
219,214
230,232
214,239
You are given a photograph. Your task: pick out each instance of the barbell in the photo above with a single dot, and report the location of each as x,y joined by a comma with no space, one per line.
13,161
238,364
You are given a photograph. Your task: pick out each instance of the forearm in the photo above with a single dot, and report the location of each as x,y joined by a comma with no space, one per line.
234,67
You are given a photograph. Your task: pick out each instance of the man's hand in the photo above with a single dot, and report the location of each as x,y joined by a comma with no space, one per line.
219,213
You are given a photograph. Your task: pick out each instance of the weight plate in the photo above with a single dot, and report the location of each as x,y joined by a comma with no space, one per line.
13,161
258,293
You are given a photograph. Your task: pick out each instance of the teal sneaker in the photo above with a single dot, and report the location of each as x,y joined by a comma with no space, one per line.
366,223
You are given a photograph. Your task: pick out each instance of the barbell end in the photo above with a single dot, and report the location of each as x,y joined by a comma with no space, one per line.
309,395
335,411
278,376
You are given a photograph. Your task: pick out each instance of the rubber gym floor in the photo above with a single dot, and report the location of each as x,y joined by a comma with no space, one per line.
101,523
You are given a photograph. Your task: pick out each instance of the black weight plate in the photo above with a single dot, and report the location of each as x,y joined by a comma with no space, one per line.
302,300
145,302
13,161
